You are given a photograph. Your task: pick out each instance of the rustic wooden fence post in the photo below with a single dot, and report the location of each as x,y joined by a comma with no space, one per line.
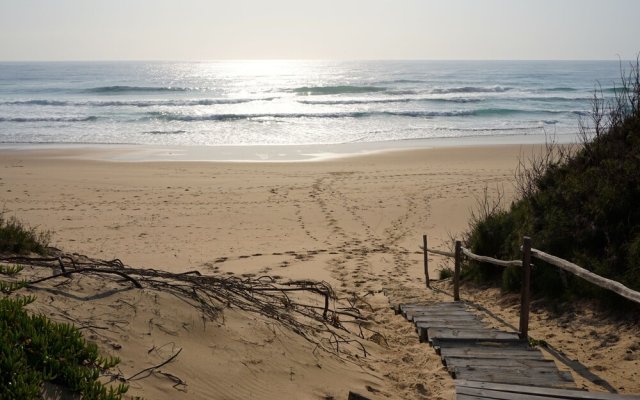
456,271
525,293
426,260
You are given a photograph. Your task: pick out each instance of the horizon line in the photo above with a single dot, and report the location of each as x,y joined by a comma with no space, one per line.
308,59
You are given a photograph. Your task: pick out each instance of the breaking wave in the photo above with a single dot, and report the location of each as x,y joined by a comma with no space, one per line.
134,89
354,114
343,89
134,103
49,119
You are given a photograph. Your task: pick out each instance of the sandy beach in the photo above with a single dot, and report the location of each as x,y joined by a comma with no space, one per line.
354,222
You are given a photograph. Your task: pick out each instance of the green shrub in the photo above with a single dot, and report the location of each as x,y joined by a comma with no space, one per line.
18,238
34,350
445,273
581,205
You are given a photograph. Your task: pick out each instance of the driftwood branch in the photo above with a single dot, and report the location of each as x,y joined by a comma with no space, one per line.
490,260
605,283
66,273
210,294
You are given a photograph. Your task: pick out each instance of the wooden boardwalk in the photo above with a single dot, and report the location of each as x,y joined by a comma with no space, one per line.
488,363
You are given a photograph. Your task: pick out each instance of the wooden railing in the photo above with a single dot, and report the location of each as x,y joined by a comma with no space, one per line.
525,264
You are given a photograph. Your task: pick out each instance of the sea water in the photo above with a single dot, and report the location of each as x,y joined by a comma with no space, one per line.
295,102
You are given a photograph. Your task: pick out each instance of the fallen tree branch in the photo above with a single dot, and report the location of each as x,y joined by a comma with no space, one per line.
86,270
210,294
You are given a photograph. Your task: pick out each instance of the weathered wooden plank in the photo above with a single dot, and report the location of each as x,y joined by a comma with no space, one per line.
459,362
476,334
467,397
410,315
425,312
423,328
438,343
418,313
491,352
497,395
531,380
431,321
414,308
477,325
520,376
427,317
432,307
542,391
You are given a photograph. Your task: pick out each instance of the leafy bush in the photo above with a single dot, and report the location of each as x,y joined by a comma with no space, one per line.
579,204
445,273
18,238
33,349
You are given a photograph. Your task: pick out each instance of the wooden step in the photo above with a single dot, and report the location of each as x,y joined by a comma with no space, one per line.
539,376
423,327
411,314
439,343
488,390
484,352
477,334
452,318
459,362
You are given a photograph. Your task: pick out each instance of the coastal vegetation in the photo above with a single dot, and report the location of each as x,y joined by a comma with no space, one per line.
18,238
579,203
35,349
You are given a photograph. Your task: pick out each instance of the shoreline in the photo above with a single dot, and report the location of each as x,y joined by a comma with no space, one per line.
264,153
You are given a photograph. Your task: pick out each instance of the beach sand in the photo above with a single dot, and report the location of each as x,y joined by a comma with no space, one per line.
353,222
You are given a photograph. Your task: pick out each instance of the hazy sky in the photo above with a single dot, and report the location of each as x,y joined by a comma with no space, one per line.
319,29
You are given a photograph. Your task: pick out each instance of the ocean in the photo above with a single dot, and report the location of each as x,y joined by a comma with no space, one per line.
295,102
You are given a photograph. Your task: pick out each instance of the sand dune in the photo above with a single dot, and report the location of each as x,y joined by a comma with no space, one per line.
355,223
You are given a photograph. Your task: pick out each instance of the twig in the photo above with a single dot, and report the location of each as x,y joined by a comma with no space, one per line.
165,362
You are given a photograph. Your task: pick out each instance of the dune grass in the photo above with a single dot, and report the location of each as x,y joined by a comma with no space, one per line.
18,238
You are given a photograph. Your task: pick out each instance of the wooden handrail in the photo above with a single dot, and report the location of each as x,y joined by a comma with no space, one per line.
440,252
525,264
605,283
490,260
476,257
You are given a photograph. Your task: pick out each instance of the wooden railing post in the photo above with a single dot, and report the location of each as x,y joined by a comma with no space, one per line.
426,260
456,271
526,291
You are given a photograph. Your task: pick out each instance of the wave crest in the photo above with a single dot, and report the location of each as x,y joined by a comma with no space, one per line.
390,100
134,103
481,112
471,89
342,89
49,119
133,89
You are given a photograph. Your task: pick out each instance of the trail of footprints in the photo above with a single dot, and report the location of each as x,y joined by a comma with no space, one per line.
355,239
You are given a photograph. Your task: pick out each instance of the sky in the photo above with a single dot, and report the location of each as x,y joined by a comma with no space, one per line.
321,29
